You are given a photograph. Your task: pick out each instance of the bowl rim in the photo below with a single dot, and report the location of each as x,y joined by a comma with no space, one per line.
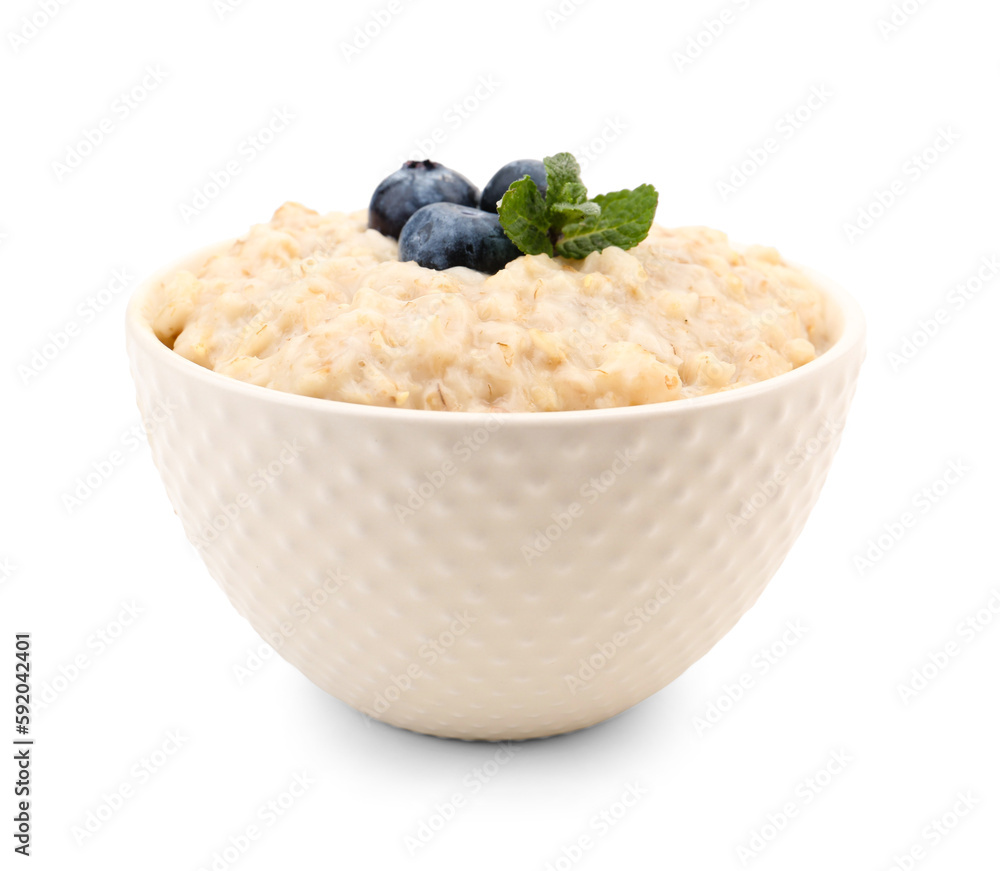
139,330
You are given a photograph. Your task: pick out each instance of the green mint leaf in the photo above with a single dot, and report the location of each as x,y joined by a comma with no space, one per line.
563,179
574,211
574,193
624,221
525,219
566,222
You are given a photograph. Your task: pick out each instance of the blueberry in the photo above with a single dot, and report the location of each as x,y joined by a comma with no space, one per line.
512,172
443,235
418,183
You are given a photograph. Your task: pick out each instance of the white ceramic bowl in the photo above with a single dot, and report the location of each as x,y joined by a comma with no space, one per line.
492,577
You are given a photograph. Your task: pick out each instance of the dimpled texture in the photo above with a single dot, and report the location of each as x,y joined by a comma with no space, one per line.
474,570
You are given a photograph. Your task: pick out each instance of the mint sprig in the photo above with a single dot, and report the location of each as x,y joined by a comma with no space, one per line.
524,217
566,222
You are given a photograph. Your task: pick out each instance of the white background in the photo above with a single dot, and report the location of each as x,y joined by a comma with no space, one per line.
605,78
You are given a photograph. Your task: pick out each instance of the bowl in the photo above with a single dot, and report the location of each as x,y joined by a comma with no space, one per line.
482,576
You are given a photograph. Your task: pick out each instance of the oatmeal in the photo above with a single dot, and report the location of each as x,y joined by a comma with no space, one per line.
321,306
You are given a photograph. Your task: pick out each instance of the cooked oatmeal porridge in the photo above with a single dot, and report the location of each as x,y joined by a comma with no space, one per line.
321,306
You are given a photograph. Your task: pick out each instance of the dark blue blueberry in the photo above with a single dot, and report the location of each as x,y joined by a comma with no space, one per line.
517,169
419,183
443,235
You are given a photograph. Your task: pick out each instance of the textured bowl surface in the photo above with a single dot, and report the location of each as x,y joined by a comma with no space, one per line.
492,577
